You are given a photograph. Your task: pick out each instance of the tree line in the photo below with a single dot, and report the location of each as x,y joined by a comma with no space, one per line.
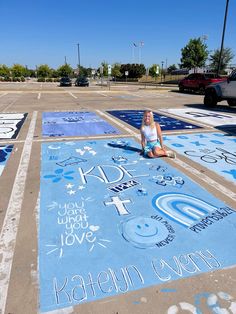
194,55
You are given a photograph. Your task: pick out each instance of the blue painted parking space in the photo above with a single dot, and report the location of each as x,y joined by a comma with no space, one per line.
75,124
215,151
112,221
134,118
5,151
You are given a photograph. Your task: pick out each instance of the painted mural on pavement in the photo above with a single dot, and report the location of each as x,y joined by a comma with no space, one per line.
5,151
215,151
134,118
112,221
75,124
10,124
214,118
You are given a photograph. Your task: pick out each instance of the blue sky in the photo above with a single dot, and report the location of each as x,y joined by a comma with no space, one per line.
46,31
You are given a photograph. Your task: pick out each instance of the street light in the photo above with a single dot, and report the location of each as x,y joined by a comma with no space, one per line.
223,35
78,59
141,44
162,63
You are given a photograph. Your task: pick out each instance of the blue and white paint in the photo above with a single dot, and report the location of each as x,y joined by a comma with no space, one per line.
112,221
10,124
134,118
214,118
75,124
215,151
5,151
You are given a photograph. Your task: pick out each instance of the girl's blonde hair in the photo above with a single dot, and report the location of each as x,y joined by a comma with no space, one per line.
152,122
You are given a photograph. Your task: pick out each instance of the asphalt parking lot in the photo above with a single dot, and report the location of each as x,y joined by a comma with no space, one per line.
193,270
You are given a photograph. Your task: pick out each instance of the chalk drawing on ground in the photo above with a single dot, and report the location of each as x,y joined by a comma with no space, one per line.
59,124
10,124
113,221
215,151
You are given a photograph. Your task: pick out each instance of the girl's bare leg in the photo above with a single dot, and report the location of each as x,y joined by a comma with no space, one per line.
159,152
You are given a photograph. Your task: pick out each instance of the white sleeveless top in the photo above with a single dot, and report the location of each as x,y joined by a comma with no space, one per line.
150,133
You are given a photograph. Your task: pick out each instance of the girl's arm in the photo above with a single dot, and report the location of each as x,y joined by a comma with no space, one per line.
143,140
159,134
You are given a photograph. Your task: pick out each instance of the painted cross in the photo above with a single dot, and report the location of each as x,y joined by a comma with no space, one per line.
119,205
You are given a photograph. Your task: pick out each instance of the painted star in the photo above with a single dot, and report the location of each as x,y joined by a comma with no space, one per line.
79,151
71,192
81,187
92,152
69,186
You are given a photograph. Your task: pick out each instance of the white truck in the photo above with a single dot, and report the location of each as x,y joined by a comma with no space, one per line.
225,90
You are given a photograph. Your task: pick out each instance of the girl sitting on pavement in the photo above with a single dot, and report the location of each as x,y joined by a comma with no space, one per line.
151,138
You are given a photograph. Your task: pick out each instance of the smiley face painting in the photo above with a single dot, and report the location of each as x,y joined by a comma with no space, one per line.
143,232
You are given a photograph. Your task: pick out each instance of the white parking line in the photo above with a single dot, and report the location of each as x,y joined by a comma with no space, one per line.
205,178
105,95
8,106
72,95
131,132
3,95
79,138
12,217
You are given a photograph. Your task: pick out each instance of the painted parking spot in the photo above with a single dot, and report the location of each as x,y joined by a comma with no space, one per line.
75,124
112,221
134,118
10,124
5,151
215,151
214,118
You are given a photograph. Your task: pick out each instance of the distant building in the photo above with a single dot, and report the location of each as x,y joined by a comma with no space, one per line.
180,72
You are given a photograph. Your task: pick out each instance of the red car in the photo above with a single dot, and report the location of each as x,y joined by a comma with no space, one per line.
199,81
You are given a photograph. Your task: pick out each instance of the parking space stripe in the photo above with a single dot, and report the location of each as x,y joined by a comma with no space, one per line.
72,95
206,179
105,95
131,132
12,217
78,138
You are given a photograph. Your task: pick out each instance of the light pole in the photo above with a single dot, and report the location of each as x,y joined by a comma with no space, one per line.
223,36
78,59
141,44
162,63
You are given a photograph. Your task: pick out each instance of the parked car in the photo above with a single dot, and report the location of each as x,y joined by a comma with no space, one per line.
225,90
82,81
65,81
199,81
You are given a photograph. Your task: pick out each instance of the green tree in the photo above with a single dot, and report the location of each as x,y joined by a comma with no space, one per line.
4,70
226,57
31,73
194,54
105,68
115,70
18,70
43,71
153,70
135,70
54,73
65,70
171,68
84,71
